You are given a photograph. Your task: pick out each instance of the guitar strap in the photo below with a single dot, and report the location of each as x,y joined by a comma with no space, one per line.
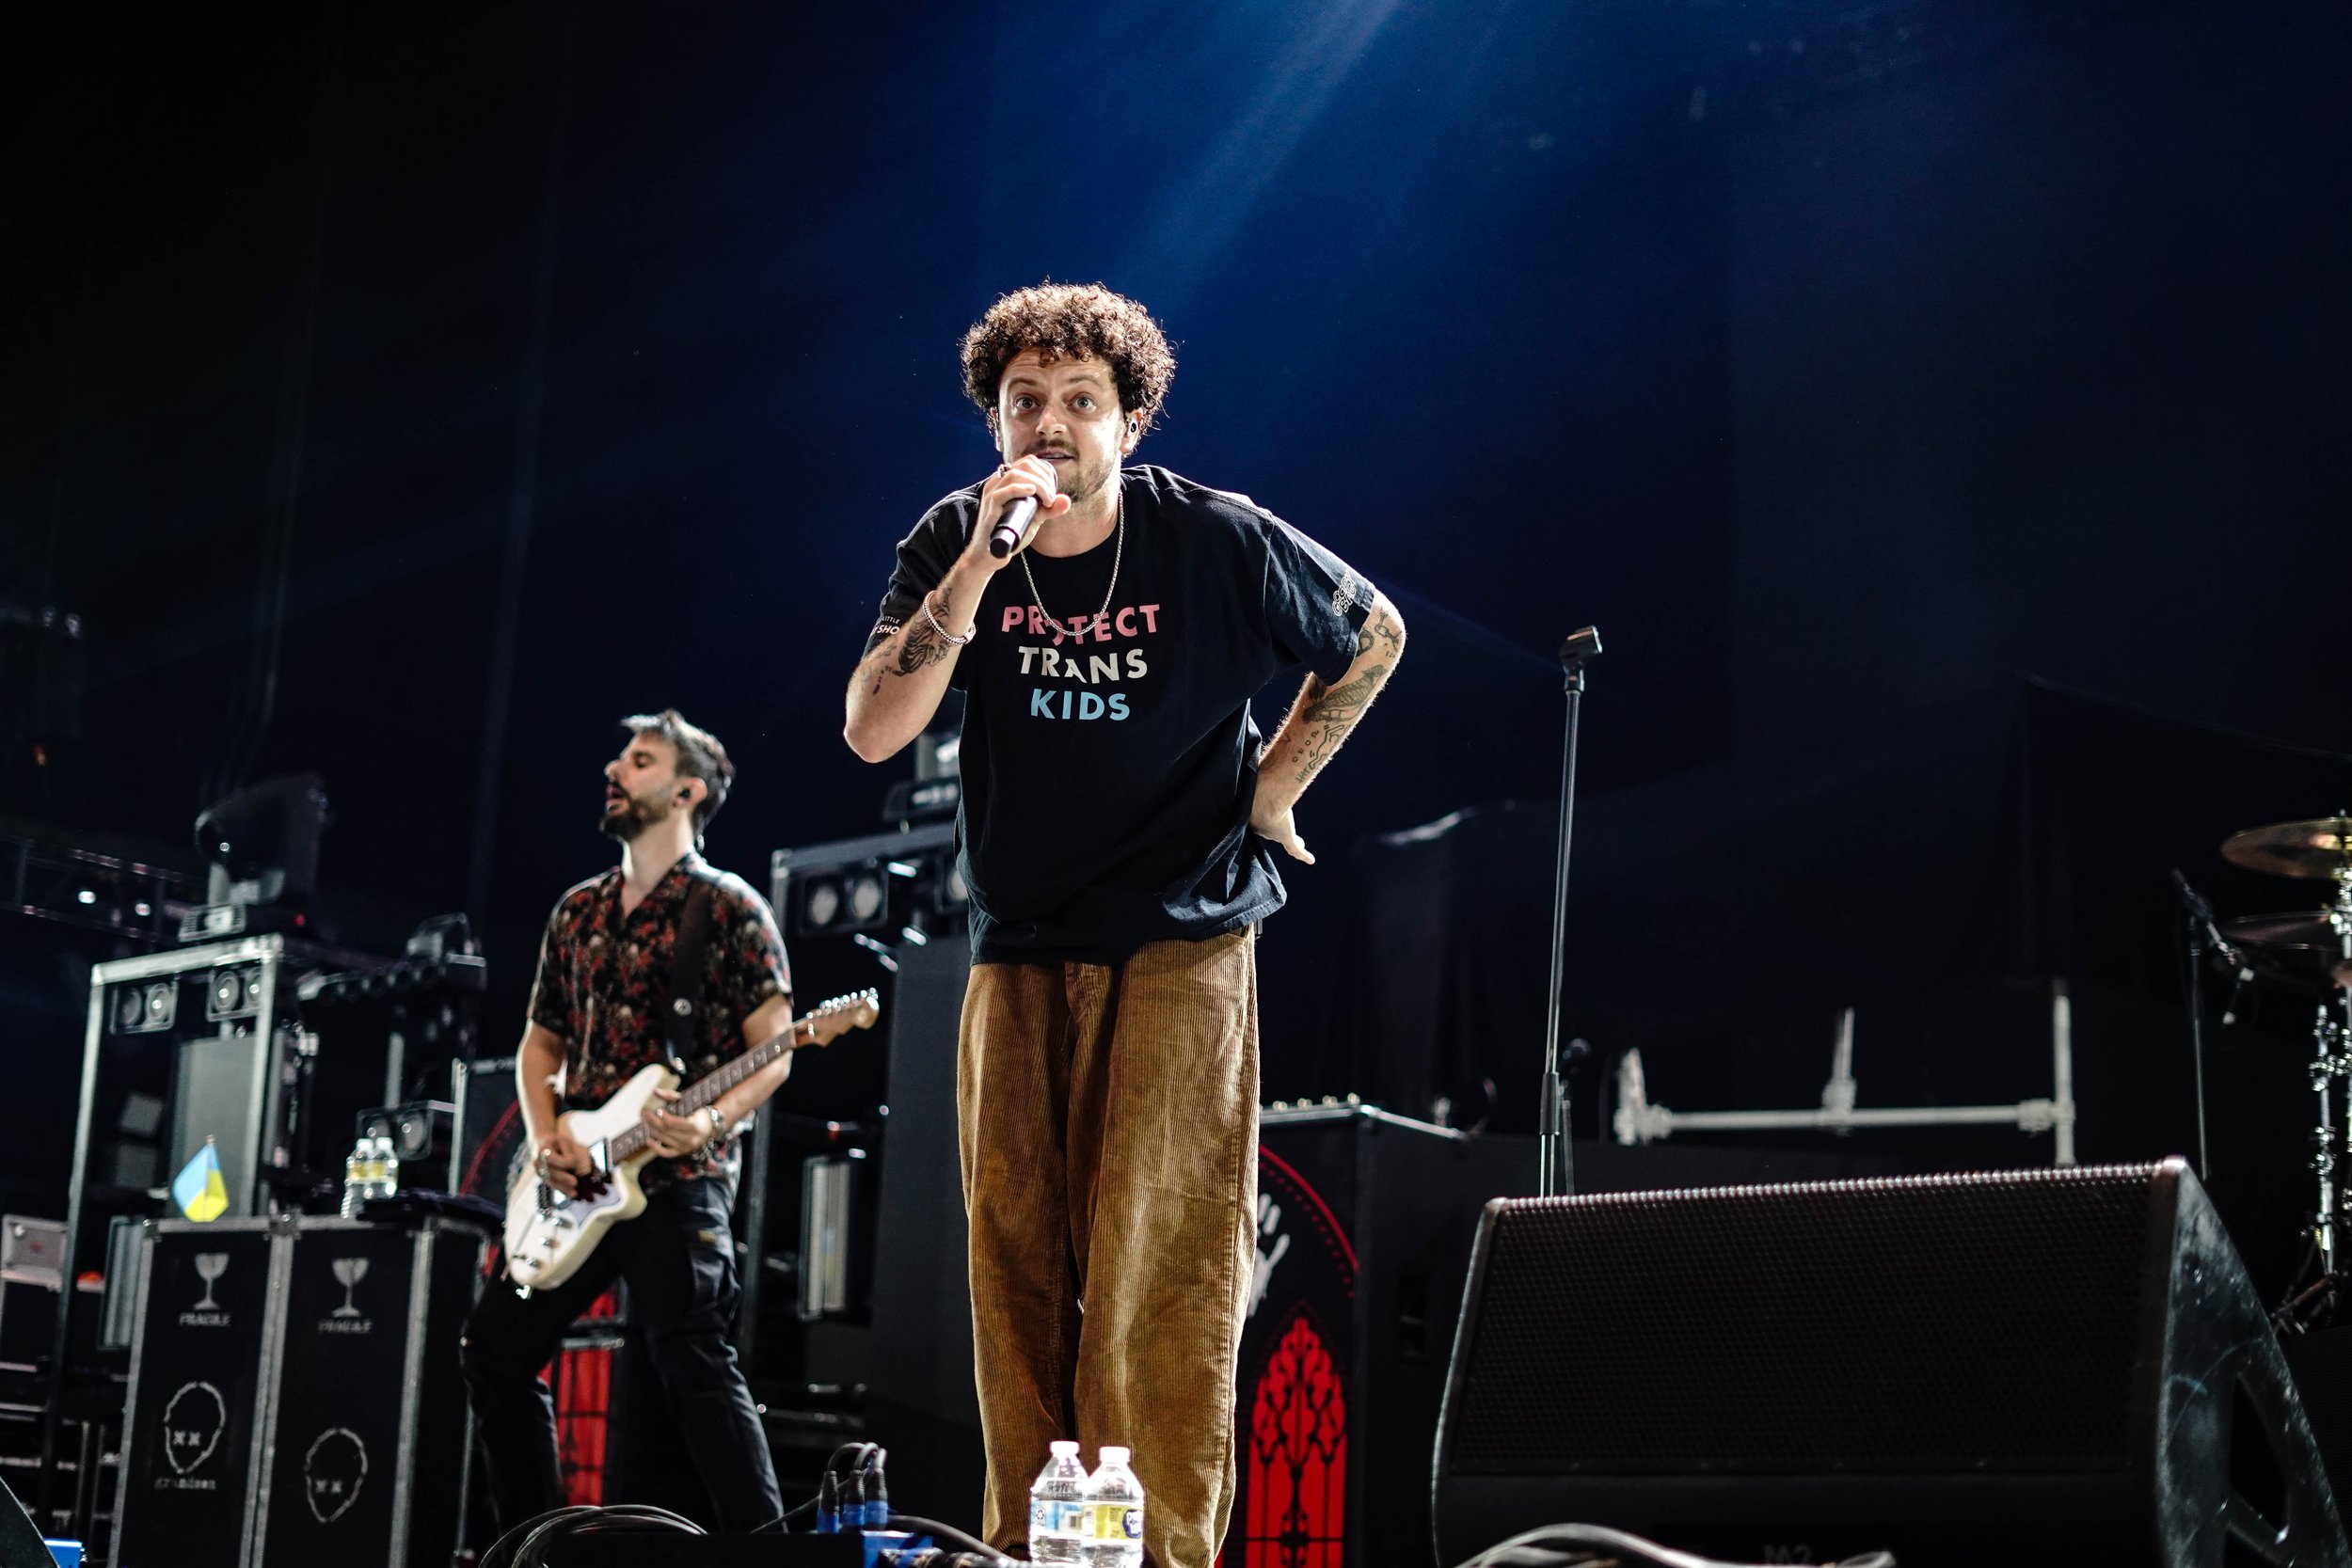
687,972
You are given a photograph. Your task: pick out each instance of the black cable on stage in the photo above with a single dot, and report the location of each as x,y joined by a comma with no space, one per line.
915,1524
526,1545
1573,1545
781,1522
830,1480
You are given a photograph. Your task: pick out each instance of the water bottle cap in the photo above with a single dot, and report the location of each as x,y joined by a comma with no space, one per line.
1065,1450
1112,1455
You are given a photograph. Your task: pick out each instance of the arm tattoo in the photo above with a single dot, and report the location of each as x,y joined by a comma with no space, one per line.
1384,626
922,645
1329,713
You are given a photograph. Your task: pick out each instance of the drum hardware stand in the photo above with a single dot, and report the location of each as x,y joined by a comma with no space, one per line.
1555,1175
1640,1121
2319,850
2331,1064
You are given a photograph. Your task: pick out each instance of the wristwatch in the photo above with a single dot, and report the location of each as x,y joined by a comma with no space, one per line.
718,1124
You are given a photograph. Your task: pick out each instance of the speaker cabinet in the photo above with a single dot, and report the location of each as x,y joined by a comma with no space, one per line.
2032,1366
1364,1227
486,1129
921,1401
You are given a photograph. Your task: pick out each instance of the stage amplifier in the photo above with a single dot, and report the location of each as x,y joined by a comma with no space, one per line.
295,1396
2038,1367
1364,1227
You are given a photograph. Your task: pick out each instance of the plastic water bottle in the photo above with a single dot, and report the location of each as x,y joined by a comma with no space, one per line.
1114,1513
356,1176
387,1167
1057,1508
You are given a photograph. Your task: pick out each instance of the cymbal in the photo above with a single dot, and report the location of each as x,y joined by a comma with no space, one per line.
2319,849
2302,931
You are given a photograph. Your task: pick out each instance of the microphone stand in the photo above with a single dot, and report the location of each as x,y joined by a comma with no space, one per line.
1556,1174
2196,1022
2203,940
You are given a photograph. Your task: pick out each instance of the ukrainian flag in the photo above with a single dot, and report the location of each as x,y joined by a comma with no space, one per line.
198,1188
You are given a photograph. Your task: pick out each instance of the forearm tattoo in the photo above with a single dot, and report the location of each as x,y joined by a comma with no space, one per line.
1329,713
920,646
1325,714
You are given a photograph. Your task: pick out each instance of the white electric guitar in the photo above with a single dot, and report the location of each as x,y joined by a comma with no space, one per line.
549,1235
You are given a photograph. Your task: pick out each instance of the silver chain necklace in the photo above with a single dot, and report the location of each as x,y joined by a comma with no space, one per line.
1118,551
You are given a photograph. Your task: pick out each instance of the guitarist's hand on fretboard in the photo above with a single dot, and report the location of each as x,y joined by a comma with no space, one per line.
676,1136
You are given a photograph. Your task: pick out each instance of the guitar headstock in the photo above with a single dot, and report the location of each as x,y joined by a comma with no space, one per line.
833,1019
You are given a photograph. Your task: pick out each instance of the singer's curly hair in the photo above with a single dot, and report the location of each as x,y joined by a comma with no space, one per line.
1073,321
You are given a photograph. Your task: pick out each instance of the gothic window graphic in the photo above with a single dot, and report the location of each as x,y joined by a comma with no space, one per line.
1298,1458
583,1384
583,1406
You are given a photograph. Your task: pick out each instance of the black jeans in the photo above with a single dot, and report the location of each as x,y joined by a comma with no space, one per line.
678,1258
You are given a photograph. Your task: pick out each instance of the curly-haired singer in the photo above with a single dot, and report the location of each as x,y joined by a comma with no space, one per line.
1120,829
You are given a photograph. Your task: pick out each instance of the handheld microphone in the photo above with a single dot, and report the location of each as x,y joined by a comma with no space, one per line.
1011,525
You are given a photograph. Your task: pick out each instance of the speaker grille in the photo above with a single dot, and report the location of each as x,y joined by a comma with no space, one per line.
1870,1327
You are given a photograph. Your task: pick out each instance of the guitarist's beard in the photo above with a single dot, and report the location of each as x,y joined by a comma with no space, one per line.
625,817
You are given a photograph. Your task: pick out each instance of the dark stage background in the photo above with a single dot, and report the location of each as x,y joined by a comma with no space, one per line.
403,396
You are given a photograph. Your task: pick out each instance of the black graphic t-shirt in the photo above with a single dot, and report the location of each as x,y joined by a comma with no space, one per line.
1107,776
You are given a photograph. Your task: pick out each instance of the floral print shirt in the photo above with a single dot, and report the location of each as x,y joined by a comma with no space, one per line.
604,986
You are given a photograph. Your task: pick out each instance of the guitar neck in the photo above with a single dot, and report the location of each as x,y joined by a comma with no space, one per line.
706,1089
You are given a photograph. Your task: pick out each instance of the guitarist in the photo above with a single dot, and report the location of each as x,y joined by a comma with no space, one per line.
602,1008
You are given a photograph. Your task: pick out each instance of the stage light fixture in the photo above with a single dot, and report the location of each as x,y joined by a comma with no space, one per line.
867,898
146,1008
839,901
236,992
870,886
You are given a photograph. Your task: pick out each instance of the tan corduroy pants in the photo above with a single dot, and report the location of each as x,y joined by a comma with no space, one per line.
1109,1121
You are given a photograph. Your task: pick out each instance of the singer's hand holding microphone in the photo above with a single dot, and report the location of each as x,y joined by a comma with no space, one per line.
1012,502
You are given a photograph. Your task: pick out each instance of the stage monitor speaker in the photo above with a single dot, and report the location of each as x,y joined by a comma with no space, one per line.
2030,1367
2322,1365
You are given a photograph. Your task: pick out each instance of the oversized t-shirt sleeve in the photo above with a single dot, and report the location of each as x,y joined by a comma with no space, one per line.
924,557
1314,603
